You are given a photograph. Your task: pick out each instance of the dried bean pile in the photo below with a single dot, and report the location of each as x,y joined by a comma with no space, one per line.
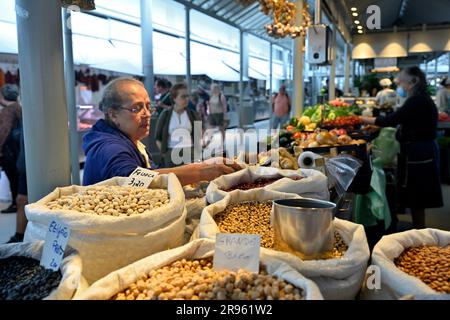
195,280
248,217
431,264
114,201
260,183
22,278
254,218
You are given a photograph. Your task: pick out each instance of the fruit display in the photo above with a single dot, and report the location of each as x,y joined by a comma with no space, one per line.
114,201
444,117
284,12
325,138
22,278
431,264
343,121
196,280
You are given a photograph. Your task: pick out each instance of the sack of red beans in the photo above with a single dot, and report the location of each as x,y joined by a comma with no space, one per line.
307,183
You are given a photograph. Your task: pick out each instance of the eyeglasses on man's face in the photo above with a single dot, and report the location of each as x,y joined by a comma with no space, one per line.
137,108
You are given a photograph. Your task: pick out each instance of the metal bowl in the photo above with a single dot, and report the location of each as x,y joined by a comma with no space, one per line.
306,225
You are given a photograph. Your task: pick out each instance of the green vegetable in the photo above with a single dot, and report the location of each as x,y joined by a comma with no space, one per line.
310,111
293,122
317,116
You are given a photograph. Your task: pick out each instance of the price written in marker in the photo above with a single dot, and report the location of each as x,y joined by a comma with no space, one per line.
56,240
141,178
237,251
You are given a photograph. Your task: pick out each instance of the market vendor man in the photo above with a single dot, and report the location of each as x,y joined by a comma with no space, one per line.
113,146
418,161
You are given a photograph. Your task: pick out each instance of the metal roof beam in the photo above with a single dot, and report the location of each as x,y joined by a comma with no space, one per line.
254,21
231,12
226,4
244,12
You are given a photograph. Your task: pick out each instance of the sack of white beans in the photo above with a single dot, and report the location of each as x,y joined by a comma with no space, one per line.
27,280
111,225
339,276
187,273
411,263
307,183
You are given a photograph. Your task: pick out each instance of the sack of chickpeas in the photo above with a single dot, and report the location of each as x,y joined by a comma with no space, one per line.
187,273
114,225
22,277
307,183
411,263
339,273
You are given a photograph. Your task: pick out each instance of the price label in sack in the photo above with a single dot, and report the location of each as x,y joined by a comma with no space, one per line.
237,251
58,234
141,178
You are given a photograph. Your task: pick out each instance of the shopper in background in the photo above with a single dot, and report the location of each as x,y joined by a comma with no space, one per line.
202,105
10,126
162,91
418,161
281,108
217,108
443,96
175,128
386,98
22,197
113,146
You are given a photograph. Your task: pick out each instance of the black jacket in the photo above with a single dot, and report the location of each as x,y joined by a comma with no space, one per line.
162,127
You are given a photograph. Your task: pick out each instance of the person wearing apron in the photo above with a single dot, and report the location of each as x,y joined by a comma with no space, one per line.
418,162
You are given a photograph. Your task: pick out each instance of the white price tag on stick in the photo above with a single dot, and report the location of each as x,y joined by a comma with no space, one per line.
237,251
58,234
141,178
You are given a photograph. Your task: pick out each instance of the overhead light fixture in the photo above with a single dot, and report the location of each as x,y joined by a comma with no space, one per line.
360,31
359,27
355,14
354,9
356,21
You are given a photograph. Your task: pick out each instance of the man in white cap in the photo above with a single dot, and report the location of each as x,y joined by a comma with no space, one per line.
386,98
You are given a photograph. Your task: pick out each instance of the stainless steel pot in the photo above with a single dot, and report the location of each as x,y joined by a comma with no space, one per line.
306,225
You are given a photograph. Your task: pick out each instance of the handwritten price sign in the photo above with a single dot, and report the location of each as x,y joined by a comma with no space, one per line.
56,240
237,251
141,178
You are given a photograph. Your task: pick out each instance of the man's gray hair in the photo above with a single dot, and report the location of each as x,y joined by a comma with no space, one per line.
10,92
112,97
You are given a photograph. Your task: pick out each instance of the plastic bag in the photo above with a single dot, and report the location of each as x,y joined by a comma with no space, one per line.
386,147
374,206
203,248
341,170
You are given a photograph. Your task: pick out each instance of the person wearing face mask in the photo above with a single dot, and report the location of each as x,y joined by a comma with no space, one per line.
113,146
418,161
175,129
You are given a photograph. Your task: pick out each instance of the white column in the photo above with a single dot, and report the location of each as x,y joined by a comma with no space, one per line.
243,74
347,69
298,85
188,47
71,101
147,46
331,84
45,119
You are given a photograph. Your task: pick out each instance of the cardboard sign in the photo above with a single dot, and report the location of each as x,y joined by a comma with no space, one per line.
56,240
237,251
141,178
